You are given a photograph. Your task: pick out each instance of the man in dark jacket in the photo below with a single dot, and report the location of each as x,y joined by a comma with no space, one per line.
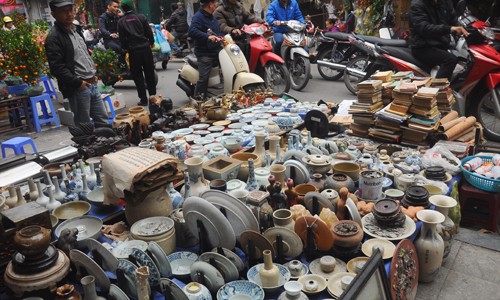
137,38
108,26
178,21
206,46
232,16
431,23
70,62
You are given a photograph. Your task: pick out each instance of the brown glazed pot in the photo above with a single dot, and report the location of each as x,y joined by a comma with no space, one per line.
122,118
347,233
67,292
32,241
139,113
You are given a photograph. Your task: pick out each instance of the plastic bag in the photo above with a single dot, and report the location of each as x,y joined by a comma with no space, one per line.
162,42
105,89
441,156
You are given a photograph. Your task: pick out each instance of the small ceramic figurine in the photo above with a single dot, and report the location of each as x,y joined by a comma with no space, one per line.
291,194
67,240
278,199
343,193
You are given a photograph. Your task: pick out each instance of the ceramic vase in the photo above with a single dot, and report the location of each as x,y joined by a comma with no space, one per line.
156,203
187,187
429,245
447,229
340,180
274,146
42,199
252,183
48,181
67,292
122,119
58,194
11,200
85,188
141,281
175,196
70,194
139,113
278,171
77,180
20,197
64,175
269,273
89,292
53,203
33,189
91,177
198,183
332,196
260,139
283,218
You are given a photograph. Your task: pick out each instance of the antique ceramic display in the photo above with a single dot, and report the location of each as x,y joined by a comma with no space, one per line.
386,248
371,228
88,226
403,275
181,262
223,264
253,276
240,289
213,279
292,244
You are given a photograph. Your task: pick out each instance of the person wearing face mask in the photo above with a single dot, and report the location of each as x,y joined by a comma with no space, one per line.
282,10
431,23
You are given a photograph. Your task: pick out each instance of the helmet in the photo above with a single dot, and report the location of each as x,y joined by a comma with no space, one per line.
7,19
127,5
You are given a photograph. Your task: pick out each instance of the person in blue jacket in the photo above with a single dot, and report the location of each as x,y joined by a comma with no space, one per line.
282,10
206,46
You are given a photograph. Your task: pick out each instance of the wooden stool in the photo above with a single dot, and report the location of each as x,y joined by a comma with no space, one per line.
479,207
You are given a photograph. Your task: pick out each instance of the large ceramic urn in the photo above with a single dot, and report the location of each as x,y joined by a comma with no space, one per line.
430,245
156,203
139,113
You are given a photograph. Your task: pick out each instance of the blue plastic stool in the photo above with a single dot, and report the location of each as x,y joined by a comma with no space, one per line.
17,144
45,118
49,86
107,99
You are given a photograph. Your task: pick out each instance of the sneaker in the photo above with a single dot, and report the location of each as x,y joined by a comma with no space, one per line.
140,103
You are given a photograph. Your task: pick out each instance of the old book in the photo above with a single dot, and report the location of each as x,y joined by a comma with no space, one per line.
383,76
370,85
398,109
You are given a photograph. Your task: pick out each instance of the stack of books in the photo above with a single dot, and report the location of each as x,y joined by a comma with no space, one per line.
402,95
445,98
369,101
387,88
387,125
402,75
384,76
424,119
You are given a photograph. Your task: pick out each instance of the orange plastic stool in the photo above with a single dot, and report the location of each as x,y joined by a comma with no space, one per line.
479,207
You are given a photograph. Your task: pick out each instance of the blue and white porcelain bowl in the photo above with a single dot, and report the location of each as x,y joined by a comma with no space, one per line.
181,262
253,276
240,289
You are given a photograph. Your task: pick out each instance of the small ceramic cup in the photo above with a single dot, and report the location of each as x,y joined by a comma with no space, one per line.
282,217
240,194
311,285
218,184
295,267
293,288
345,281
327,263
394,194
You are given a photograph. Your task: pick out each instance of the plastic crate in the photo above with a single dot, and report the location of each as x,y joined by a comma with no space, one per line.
479,181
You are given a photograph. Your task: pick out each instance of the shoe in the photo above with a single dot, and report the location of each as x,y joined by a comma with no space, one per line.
140,103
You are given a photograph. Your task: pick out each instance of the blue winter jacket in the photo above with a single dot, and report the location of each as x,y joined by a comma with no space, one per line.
276,12
200,24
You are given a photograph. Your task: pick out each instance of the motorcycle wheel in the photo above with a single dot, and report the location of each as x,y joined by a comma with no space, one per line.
351,82
326,72
277,77
485,114
300,69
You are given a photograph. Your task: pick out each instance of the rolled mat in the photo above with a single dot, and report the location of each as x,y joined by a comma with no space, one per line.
467,136
458,130
448,125
452,115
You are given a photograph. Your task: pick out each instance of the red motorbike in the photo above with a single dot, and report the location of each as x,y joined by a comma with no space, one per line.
264,62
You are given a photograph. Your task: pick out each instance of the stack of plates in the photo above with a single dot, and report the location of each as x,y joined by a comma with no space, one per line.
155,229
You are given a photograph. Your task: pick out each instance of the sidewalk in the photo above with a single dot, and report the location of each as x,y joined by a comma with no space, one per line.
472,270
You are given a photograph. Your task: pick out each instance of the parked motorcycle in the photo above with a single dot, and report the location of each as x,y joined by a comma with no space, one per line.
296,57
264,62
232,67
333,53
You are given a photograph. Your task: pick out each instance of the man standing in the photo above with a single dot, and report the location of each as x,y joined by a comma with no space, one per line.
431,23
282,10
206,46
108,25
137,38
178,21
8,24
71,64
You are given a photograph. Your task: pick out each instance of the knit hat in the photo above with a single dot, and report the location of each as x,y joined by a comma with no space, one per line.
127,5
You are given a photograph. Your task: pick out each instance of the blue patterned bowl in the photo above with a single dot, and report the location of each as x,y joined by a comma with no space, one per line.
181,263
253,276
242,289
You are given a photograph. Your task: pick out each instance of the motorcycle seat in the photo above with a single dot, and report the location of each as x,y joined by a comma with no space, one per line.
340,36
193,61
384,42
404,54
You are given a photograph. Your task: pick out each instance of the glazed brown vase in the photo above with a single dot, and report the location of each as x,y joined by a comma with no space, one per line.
32,241
139,113
347,233
67,292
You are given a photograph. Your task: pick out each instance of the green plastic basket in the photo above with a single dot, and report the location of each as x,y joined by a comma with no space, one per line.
479,181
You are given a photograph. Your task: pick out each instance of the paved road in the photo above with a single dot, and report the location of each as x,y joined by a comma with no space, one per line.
316,89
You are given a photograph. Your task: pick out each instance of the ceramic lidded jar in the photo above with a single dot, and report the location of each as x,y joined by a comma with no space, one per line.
429,245
340,180
122,119
347,234
198,183
269,272
446,229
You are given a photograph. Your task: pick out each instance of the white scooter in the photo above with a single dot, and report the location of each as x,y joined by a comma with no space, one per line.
234,67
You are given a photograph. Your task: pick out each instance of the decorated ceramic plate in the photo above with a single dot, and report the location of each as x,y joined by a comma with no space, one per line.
260,242
305,270
199,126
171,290
203,141
323,236
160,259
315,268
222,123
301,172
253,276
219,230
86,265
404,271
124,249
334,284
152,226
386,246
215,128
247,128
142,259
191,137
240,288
201,132
223,264
213,279
108,261
181,262
237,125
261,123
233,257
292,244
370,227
263,116
127,282
323,202
214,135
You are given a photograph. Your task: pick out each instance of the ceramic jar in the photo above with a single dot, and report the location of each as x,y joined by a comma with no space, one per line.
340,180
89,292
278,171
371,149
365,159
262,175
197,151
332,196
347,234
353,151
318,180
67,292
244,157
121,119
404,181
295,267
198,183
429,245
32,241
197,291
269,272
272,128
283,218
156,203
446,229
139,113
217,150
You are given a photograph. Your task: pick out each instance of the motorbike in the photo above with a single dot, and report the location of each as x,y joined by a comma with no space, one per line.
232,70
333,53
296,57
264,62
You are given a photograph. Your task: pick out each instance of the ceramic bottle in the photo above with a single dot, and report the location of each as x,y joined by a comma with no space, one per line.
141,281
64,175
274,146
429,245
20,197
11,200
187,187
252,183
260,150
198,183
67,292
48,181
76,179
42,199
58,193
70,195
175,196
85,188
89,292
269,273
33,190
91,177
447,229
53,203
81,165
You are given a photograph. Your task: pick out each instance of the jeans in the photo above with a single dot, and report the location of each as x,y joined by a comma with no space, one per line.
278,40
88,103
436,56
142,61
205,64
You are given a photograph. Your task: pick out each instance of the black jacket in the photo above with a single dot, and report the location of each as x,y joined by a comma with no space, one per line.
134,31
108,24
61,58
430,23
178,21
200,24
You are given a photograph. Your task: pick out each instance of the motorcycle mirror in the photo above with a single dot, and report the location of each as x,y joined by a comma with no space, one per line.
461,6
